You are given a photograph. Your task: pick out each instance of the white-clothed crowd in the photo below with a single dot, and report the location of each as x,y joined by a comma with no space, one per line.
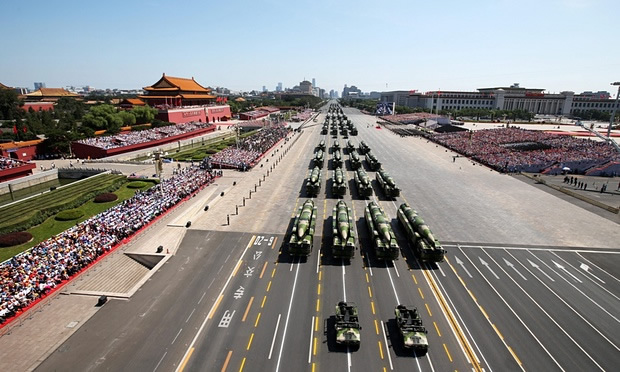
33,273
6,163
148,135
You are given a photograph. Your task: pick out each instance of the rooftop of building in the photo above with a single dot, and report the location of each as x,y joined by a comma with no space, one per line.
171,83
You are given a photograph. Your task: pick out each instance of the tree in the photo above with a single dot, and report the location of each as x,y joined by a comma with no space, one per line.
144,114
127,117
103,117
9,104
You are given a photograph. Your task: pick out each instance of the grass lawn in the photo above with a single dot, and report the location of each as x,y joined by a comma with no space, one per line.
52,227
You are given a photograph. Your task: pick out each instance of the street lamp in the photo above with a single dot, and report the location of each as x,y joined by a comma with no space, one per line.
613,113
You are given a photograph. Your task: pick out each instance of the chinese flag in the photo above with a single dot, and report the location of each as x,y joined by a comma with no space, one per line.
15,129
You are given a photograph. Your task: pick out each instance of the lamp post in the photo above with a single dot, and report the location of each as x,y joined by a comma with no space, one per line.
613,113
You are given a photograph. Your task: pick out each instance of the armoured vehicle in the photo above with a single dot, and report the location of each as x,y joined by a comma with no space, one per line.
387,184
425,246
383,237
372,161
334,131
362,182
324,129
344,132
347,325
344,233
318,159
411,329
353,130
364,148
337,158
339,184
350,147
355,161
302,235
321,145
336,145
313,183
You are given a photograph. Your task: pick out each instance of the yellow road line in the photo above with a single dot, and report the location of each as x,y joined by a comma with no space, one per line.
472,295
316,324
263,303
318,289
217,303
483,312
242,364
372,304
226,361
237,267
314,347
437,329
182,366
250,342
367,280
369,292
318,304
269,286
320,274
421,294
247,309
376,326
514,355
447,352
498,333
313,365
263,271
274,242
273,272
380,349
256,322
429,310
414,279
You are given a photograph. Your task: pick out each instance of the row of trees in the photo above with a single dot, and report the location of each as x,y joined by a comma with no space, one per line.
248,105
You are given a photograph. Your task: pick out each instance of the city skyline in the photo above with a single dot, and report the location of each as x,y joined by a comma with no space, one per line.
556,45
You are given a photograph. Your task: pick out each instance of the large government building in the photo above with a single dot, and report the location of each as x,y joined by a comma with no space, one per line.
513,97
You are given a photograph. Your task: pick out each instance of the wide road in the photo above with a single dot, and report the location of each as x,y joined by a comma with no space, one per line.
525,285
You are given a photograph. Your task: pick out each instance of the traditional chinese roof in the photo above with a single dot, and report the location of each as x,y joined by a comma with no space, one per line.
51,92
172,84
13,145
2,86
197,96
133,101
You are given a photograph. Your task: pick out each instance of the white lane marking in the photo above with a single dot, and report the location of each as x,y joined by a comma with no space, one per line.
561,267
440,269
512,266
292,264
190,315
175,337
387,350
484,263
594,265
348,360
161,360
462,264
318,260
201,297
275,333
288,315
392,282
212,280
396,269
344,285
310,347
551,318
428,357
586,268
204,323
226,260
537,267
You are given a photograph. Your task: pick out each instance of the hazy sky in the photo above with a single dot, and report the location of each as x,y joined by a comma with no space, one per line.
375,45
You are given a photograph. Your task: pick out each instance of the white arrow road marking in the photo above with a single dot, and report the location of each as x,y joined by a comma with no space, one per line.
534,265
566,271
459,262
483,262
510,265
586,268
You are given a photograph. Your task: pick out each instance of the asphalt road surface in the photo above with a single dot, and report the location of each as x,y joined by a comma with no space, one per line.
530,281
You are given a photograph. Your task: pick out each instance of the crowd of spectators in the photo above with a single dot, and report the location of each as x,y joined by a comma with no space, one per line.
515,149
249,150
148,135
33,273
6,163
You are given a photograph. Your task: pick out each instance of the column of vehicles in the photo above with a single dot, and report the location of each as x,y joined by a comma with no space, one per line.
425,246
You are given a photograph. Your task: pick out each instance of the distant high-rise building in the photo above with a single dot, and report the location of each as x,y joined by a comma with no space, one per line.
279,87
313,82
331,94
38,85
264,88
305,87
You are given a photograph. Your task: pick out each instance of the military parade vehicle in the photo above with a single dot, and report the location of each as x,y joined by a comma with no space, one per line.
336,145
334,131
318,159
324,129
362,182
355,161
363,148
302,235
344,234
372,161
337,159
425,246
386,246
387,184
350,147
321,145
339,184
344,132
313,182
412,331
347,325
353,130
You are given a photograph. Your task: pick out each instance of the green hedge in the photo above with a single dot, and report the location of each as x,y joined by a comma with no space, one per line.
136,184
31,212
69,215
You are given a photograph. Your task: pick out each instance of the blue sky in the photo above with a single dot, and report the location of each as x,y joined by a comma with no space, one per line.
375,45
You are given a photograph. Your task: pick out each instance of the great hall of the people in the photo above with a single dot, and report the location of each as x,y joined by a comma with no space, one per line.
514,97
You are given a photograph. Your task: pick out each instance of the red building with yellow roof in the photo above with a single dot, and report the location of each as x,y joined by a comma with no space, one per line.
181,100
